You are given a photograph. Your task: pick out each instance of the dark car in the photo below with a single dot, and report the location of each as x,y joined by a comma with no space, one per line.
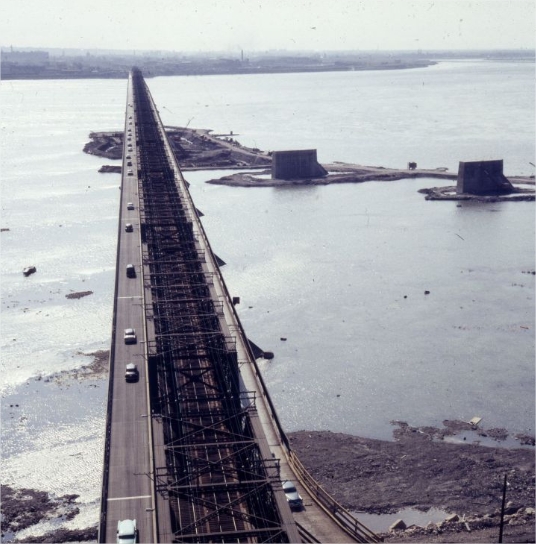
131,373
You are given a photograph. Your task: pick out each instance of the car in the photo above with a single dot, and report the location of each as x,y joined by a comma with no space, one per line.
129,227
129,163
130,173
131,373
293,497
127,532
130,336
131,271
129,157
130,206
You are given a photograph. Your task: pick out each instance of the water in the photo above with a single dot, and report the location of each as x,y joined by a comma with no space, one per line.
380,523
328,268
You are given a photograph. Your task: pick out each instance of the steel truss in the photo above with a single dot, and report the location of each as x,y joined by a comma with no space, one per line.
218,486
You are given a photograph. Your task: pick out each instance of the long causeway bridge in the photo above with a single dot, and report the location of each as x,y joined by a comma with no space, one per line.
194,449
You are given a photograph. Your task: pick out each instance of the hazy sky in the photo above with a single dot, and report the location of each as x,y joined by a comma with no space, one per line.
210,25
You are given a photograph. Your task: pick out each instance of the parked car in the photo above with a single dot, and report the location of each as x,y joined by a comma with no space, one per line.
131,373
293,497
127,532
130,336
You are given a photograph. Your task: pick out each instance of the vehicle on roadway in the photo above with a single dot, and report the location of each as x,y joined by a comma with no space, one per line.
130,173
127,532
131,271
293,497
129,227
130,206
131,373
130,336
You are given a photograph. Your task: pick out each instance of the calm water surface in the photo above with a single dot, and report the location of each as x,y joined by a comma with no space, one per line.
338,271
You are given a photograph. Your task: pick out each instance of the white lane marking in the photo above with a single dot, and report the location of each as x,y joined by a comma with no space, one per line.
133,296
130,498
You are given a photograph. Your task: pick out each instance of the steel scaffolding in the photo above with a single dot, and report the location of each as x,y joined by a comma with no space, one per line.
216,483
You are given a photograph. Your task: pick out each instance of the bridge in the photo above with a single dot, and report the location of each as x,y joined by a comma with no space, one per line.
194,449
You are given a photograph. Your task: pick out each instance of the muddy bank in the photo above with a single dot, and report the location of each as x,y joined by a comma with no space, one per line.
96,370
79,294
520,193
24,508
338,173
420,471
353,173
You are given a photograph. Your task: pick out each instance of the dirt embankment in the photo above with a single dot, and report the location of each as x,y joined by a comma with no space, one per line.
421,472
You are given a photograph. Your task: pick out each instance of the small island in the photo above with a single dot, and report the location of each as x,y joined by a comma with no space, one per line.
200,149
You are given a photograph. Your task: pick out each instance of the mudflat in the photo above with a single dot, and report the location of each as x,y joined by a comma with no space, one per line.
421,471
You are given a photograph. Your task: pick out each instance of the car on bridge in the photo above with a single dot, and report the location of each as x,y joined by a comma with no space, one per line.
131,271
127,532
293,497
129,227
130,336
130,206
131,373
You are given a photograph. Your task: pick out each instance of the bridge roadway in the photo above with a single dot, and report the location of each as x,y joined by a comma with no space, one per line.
136,445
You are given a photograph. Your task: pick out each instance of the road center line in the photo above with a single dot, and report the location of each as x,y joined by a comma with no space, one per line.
130,498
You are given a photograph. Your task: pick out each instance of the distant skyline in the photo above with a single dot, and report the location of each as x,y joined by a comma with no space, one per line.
261,25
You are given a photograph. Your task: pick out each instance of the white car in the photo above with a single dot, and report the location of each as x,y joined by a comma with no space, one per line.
293,497
127,532
130,336
130,206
